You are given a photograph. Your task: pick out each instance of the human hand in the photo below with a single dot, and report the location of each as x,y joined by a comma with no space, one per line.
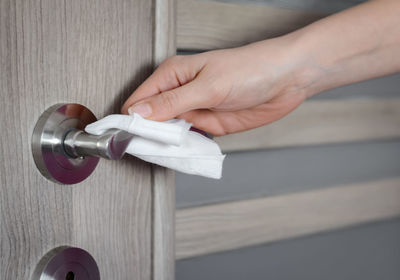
224,91
232,90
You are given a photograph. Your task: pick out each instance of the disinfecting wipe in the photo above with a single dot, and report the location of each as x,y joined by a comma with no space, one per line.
170,144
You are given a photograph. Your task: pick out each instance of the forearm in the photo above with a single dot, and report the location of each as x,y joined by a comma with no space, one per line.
351,46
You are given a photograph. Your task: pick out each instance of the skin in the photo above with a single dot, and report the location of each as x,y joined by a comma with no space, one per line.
232,90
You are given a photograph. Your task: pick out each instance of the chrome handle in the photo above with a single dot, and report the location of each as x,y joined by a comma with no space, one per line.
64,152
111,145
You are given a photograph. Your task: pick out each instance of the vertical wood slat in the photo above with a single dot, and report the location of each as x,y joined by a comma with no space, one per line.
163,223
164,179
89,52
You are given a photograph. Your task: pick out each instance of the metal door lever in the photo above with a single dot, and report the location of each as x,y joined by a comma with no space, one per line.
64,152
111,145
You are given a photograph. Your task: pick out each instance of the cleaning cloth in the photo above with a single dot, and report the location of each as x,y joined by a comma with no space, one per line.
170,144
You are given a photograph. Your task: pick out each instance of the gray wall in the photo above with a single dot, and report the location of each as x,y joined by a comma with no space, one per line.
278,171
366,252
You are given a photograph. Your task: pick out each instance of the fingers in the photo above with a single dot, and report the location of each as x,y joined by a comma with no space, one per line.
169,104
147,88
172,73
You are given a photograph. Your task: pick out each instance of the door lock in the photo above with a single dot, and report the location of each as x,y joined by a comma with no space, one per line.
66,263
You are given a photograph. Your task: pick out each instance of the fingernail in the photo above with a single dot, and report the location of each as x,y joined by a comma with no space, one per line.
143,109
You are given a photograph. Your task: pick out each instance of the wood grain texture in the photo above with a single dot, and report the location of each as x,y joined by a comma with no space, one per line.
163,223
323,122
214,228
204,25
90,52
163,230
164,30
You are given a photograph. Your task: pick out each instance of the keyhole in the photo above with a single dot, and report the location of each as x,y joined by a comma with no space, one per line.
70,276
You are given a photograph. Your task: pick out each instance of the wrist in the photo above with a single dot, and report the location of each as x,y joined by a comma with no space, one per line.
287,64
307,74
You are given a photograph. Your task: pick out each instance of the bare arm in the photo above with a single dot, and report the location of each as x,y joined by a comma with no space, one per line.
351,46
232,90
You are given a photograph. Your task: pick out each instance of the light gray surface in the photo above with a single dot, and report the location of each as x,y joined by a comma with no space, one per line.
284,170
226,226
367,252
206,25
278,171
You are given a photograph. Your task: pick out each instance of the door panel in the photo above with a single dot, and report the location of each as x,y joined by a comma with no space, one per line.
89,52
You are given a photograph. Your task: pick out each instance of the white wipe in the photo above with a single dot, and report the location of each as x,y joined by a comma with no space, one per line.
170,144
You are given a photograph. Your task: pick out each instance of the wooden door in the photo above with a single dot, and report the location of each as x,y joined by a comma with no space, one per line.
94,53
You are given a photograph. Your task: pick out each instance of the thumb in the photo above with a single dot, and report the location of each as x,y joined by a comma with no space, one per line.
169,104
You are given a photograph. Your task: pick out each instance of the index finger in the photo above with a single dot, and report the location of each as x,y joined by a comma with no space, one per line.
172,73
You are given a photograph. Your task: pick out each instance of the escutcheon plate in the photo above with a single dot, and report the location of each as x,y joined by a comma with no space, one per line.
47,144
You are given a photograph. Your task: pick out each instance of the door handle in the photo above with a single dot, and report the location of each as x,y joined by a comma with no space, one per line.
64,152
111,145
